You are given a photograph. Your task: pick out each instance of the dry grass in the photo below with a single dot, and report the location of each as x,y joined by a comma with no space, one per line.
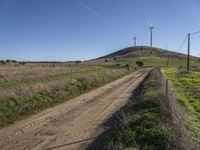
8,73
32,78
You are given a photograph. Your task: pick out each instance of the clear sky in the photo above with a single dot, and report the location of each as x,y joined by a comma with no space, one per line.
84,29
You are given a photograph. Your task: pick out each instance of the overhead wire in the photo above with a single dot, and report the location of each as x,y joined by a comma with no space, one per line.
195,32
181,46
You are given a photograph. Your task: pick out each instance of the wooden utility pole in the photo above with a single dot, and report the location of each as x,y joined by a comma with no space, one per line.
188,55
199,56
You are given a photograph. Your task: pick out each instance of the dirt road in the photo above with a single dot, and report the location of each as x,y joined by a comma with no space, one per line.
73,124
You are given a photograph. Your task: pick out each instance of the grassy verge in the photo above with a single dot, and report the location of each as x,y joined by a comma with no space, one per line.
142,124
19,107
186,86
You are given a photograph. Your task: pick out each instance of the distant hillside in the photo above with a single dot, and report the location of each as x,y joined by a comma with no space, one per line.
144,51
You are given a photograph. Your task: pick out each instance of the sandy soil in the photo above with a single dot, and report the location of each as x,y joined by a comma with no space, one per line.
73,124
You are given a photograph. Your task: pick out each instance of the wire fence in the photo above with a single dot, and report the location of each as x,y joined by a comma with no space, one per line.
179,136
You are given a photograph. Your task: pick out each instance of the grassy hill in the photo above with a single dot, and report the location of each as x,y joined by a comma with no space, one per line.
151,56
145,51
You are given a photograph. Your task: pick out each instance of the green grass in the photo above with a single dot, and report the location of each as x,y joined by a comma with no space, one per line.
186,86
143,125
16,108
154,61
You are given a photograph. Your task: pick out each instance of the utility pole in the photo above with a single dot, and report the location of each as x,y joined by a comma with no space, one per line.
188,55
135,41
199,56
151,35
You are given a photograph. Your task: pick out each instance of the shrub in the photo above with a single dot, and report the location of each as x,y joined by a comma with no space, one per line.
78,61
22,63
2,62
140,63
118,65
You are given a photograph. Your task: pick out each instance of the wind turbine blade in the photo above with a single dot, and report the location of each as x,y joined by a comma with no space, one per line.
149,23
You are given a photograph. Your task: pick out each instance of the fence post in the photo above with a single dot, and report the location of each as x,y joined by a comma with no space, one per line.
167,90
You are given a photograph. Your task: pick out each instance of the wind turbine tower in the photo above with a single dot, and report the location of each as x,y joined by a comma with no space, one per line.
135,41
151,27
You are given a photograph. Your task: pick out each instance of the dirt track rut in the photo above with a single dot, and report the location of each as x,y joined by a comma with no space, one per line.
73,124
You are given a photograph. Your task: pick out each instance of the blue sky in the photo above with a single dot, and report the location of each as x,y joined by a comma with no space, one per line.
84,29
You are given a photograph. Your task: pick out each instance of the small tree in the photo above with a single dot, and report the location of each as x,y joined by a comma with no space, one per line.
140,63
115,59
106,60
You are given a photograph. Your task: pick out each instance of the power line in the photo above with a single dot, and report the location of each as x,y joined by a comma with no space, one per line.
182,43
195,32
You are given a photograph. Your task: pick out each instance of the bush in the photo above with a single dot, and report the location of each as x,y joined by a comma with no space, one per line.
2,62
140,63
78,61
22,63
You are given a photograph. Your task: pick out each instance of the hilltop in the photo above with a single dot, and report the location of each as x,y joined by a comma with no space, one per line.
145,51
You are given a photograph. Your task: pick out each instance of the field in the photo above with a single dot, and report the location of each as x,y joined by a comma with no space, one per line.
26,89
186,87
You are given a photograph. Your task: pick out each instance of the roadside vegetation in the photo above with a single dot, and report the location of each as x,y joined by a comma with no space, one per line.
142,125
186,87
18,107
